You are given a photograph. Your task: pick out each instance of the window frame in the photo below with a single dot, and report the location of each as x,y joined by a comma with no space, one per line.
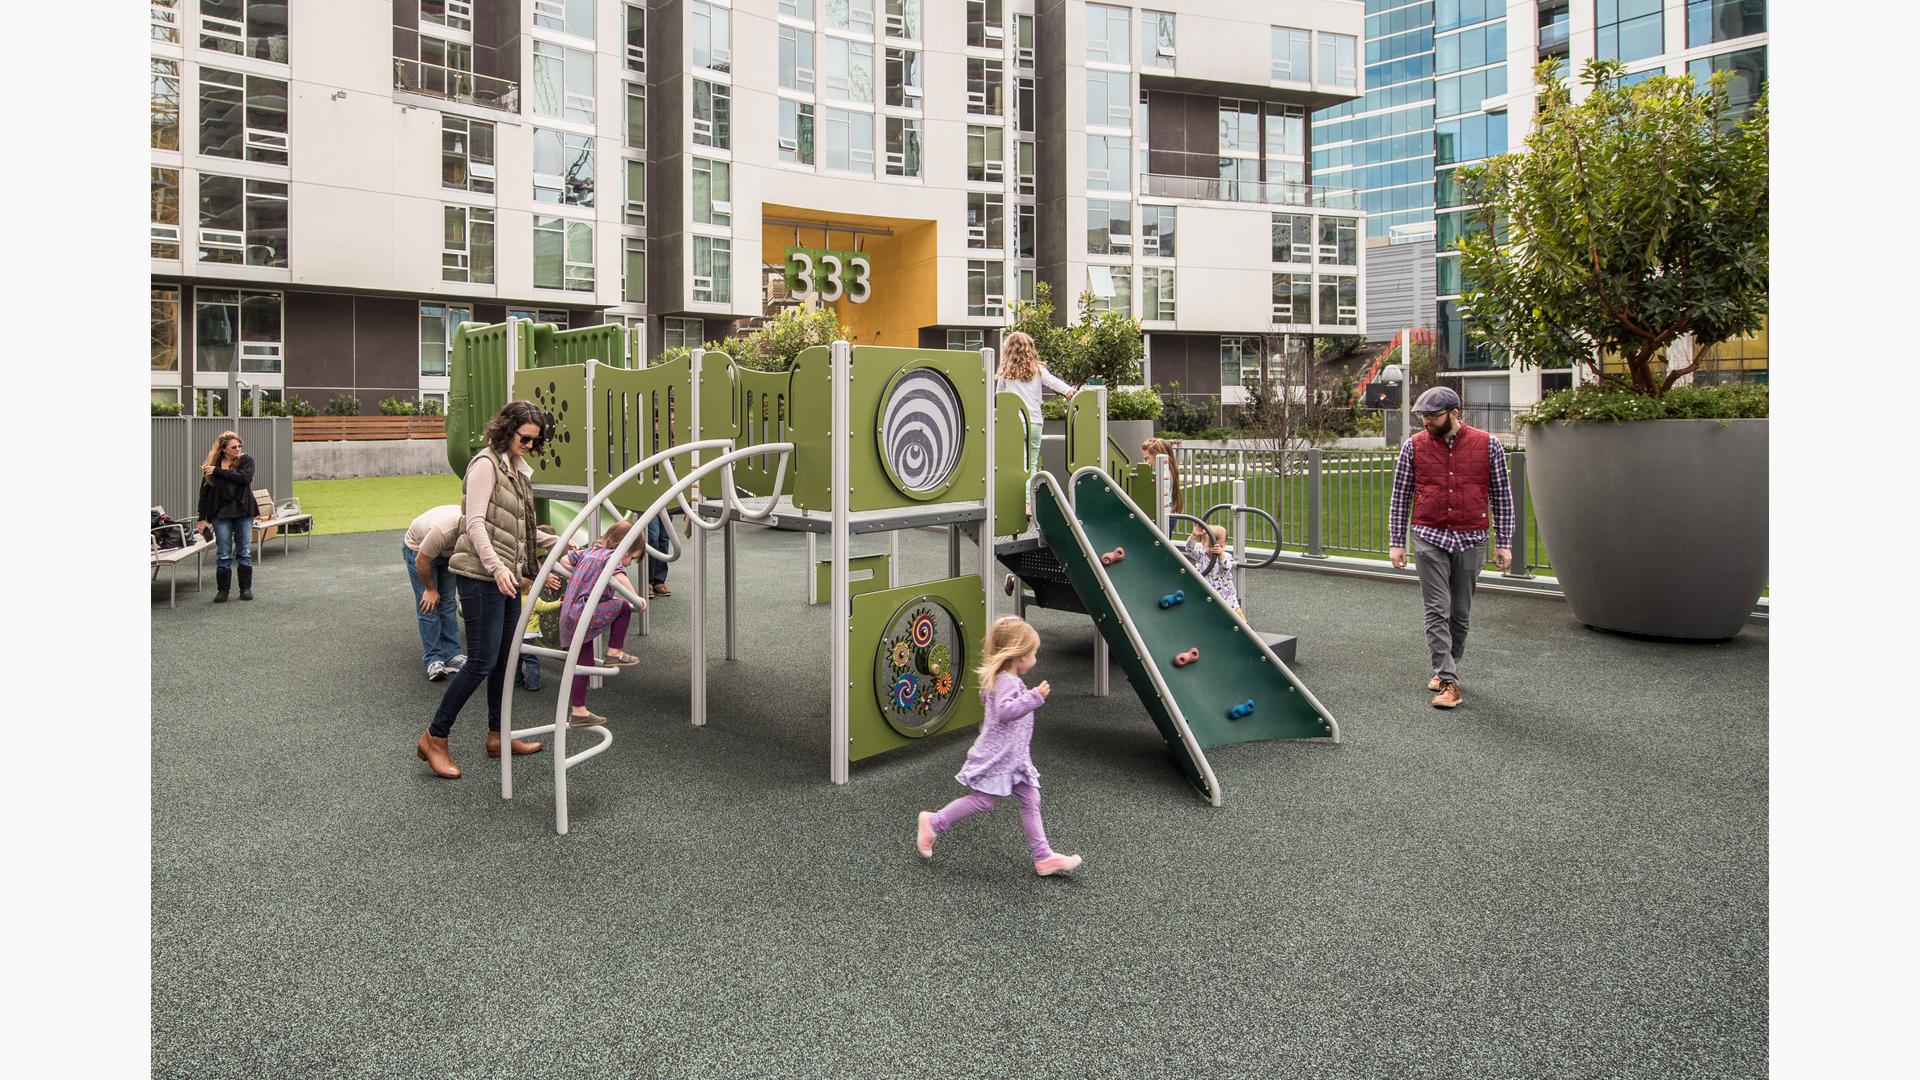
478,181
163,234
715,132
464,259
718,286
449,325
244,240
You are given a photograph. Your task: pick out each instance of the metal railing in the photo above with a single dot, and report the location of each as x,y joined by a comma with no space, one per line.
1267,192
416,77
1330,502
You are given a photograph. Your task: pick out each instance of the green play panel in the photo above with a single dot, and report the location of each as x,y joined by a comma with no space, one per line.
909,658
1234,666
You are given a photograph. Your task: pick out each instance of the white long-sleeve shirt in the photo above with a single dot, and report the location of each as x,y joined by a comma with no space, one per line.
1029,390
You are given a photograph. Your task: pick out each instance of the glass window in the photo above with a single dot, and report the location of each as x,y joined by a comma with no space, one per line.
713,267
903,146
986,87
712,114
1109,99
1108,164
243,222
903,18
1023,40
165,97
1626,30
796,59
985,24
453,14
1339,60
551,318
1291,48
1156,40
466,154
437,325
1109,227
712,192
849,70
256,28
633,269
1292,238
986,220
636,208
446,67
712,37
562,168
973,340
1023,104
466,253
1447,276
986,288
986,154
679,333
567,16
1112,288
1340,241
165,18
1156,293
636,19
796,132
847,141
1239,360
1286,131
562,82
562,254
164,327
849,14
243,116
1339,301
1107,33
1239,126
1156,231
1024,158
1749,67
163,213
1293,299
1711,21
236,325
636,133
1025,224
904,85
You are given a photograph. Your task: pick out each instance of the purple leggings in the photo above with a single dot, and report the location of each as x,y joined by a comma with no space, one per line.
616,637
979,802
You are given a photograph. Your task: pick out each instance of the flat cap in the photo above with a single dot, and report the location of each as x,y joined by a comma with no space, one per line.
1437,400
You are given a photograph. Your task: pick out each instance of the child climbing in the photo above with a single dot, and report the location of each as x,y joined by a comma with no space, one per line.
612,615
1000,762
1021,372
1215,563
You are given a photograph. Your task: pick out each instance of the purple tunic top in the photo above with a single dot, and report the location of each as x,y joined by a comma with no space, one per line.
586,567
1001,756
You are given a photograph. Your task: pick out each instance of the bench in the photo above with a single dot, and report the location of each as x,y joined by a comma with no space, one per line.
279,520
191,544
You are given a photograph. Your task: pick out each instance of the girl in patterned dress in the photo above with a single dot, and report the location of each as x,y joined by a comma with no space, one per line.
1215,563
612,615
1000,762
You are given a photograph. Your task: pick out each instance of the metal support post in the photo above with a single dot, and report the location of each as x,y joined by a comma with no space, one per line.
812,587
987,365
953,550
698,691
840,382
1101,661
1406,385
1240,539
893,558
1314,548
1163,492
732,556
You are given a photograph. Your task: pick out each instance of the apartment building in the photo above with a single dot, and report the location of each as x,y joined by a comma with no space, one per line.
337,186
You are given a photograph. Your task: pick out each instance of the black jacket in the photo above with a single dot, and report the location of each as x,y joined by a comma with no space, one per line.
230,492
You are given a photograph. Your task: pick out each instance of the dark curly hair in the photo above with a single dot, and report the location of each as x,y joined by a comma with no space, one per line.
502,428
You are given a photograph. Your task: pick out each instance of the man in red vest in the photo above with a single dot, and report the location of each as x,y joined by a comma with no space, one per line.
1447,476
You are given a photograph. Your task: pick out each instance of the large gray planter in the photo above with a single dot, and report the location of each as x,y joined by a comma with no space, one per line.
1657,527
1130,434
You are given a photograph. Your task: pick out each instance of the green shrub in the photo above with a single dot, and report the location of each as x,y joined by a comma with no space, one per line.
1180,415
1142,404
166,408
431,407
395,407
1217,433
343,405
299,406
1053,408
1613,401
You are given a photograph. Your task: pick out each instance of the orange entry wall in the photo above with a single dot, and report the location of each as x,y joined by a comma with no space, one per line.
905,286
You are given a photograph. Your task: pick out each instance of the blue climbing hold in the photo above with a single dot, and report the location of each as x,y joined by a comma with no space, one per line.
1177,596
1243,709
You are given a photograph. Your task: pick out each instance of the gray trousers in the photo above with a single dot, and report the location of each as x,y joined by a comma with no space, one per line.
1447,580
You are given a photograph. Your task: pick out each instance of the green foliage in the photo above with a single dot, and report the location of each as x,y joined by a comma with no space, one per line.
298,406
431,407
1328,346
344,405
1215,434
1035,319
1141,404
166,408
1613,401
396,407
1106,345
779,342
1053,408
1634,217
1181,415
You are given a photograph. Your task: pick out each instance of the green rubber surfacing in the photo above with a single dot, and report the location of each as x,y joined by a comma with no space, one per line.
1234,664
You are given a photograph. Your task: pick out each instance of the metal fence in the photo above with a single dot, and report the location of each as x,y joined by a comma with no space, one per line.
1328,502
180,444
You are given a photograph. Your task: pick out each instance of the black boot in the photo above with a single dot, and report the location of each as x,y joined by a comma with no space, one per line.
224,578
246,582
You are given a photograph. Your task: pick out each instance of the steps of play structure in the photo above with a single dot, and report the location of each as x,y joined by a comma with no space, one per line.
1284,646
1198,706
1040,574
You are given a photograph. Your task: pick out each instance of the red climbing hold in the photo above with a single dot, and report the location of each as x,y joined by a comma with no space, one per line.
1113,556
1191,656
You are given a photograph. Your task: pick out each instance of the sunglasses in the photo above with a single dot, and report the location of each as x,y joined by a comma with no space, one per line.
535,441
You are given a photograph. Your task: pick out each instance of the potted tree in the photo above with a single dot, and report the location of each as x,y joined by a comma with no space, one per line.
1634,226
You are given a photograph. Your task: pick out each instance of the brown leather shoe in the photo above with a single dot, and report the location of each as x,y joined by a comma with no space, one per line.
1433,683
521,747
434,752
1448,697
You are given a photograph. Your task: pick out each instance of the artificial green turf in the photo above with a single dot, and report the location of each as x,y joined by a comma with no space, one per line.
374,503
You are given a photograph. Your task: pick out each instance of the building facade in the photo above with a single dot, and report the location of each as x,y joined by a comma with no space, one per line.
337,186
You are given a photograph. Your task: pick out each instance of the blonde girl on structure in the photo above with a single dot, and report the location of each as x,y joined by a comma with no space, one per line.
1000,762
1021,372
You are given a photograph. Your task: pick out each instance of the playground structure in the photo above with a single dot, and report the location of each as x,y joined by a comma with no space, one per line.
863,441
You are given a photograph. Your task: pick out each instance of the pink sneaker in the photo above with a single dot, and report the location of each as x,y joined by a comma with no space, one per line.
923,840
1056,864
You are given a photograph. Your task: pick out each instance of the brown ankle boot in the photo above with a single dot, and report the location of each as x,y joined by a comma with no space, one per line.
434,752
521,747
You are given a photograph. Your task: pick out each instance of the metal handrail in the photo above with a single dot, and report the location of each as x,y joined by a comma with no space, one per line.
433,80
1265,192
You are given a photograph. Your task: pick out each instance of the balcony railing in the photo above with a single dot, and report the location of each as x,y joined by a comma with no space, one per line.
1553,35
1267,192
416,77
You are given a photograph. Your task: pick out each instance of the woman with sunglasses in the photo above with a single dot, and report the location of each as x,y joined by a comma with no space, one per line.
227,510
496,555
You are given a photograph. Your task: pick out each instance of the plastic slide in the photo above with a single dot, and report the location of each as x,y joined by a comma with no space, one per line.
1233,690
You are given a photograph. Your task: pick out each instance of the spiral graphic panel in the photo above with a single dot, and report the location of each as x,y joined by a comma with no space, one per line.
921,431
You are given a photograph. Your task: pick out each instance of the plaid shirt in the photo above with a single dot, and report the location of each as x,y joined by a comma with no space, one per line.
1499,501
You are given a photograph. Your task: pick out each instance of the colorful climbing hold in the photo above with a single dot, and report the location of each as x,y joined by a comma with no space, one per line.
1191,656
1243,709
1113,556
1177,596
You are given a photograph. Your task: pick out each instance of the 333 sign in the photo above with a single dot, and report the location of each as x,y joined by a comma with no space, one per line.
829,275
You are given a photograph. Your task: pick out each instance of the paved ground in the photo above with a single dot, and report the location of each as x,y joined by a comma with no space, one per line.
1566,877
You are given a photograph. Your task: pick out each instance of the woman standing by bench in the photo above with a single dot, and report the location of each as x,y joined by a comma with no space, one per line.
497,549
227,510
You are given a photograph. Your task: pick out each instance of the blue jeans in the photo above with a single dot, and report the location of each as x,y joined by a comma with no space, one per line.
440,629
657,539
490,619
229,532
